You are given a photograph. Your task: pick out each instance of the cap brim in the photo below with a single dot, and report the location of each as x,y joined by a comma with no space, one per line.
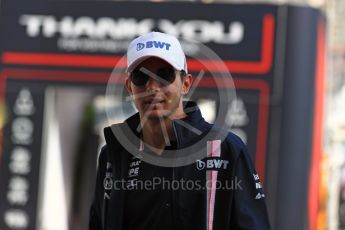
143,58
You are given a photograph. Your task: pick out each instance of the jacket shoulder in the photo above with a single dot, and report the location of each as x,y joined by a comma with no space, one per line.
235,145
235,142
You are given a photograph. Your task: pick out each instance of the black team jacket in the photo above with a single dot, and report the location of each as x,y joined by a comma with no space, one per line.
229,194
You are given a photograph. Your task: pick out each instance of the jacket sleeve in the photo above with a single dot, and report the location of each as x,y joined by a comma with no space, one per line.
95,219
249,207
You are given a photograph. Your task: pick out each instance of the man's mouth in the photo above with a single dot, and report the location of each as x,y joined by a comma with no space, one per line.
153,101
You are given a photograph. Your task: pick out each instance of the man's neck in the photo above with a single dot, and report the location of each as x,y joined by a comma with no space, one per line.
158,133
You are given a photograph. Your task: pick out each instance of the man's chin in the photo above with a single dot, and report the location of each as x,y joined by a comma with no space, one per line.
157,115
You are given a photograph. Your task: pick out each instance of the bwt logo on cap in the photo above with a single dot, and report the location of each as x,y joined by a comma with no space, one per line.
153,44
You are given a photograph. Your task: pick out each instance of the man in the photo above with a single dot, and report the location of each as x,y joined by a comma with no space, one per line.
216,192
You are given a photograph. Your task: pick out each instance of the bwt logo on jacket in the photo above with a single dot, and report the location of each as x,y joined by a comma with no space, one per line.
153,44
212,164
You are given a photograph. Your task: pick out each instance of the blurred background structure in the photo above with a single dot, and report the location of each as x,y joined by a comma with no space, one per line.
287,58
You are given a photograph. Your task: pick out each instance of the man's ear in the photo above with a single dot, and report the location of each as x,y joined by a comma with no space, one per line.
129,86
187,84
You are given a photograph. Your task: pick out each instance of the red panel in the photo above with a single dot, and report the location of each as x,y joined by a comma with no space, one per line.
207,82
315,170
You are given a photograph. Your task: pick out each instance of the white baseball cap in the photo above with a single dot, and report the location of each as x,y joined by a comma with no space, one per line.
156,44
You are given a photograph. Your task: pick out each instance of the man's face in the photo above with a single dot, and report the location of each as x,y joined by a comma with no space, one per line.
157,98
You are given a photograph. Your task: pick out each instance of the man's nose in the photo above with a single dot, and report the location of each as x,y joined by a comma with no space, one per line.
153,82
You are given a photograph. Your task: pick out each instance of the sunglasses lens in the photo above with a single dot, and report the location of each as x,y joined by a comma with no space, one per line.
165,76
139,78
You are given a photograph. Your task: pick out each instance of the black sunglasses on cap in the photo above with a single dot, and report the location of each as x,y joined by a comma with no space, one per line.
165,76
